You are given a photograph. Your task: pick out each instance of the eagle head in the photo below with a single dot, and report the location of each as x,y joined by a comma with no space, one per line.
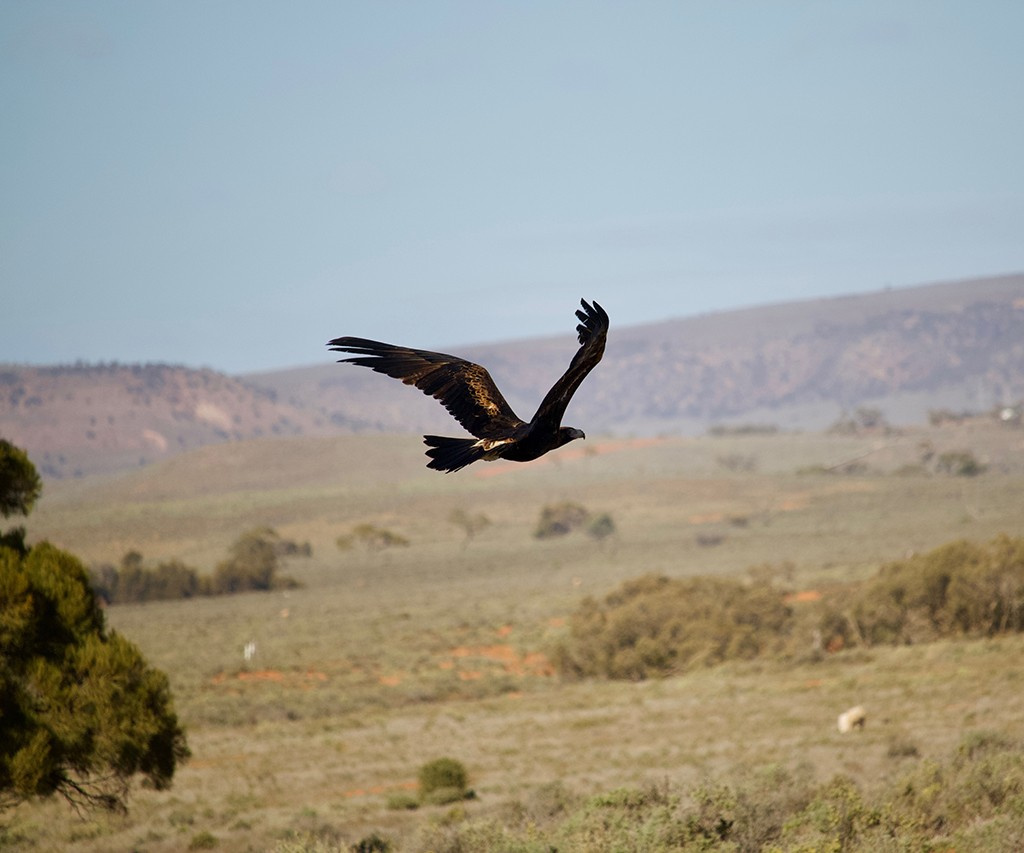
567,434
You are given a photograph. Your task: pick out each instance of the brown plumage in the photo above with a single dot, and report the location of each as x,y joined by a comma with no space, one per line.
467,391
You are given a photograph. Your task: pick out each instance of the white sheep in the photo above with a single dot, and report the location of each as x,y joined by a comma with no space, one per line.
854,718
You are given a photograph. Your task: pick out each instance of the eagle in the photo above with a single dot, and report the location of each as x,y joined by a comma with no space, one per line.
469,394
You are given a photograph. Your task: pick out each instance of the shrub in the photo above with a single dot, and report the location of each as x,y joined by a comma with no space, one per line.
203,841
560,519
656,626
443,780
371,537
373,843
601,527
958,588
959,463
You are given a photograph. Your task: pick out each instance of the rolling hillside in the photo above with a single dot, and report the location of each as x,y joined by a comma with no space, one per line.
957,346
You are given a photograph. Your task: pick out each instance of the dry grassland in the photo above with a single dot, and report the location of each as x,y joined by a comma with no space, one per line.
384,660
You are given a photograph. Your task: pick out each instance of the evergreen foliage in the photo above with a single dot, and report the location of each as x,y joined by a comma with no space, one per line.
19,481
81,710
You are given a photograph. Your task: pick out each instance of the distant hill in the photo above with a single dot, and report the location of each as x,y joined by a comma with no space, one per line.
957,346
89,419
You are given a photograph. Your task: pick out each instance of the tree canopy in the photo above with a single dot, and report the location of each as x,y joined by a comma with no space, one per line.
81,712
19,481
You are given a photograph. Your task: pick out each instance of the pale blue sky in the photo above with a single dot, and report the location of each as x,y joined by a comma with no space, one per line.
230,184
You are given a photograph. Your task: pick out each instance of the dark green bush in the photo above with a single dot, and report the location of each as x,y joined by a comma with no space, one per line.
443,780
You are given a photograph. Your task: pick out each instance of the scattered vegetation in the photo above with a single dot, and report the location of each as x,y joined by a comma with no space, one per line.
973,800
563,518
371,538
656,626
292,746
252,565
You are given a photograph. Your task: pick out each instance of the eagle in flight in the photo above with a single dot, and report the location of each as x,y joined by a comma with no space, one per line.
469,394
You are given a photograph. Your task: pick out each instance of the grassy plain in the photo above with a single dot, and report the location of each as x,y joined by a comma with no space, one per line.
384,660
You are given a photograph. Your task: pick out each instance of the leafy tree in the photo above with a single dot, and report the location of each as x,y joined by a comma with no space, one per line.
251,565
81,712
19,481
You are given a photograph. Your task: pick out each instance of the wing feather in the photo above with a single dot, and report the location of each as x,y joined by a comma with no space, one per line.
465,389
593,332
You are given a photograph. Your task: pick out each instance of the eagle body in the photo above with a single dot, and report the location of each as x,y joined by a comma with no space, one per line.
469,394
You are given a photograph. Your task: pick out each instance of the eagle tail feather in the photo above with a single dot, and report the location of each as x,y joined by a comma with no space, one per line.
451,454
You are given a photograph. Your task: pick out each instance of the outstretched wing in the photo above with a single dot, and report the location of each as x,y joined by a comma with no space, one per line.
593,331
465,389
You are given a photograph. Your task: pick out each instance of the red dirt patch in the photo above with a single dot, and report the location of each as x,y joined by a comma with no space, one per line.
530,663
276,676
802,596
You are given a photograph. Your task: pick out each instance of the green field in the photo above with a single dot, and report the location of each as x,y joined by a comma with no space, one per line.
385,659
